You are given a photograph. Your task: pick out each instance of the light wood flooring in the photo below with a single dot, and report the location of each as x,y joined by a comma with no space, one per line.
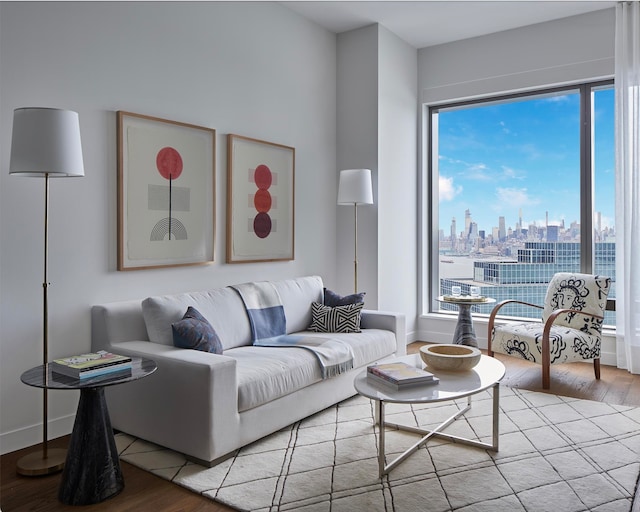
146,492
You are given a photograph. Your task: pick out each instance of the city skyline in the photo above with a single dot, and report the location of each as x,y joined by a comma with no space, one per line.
501,159
462,228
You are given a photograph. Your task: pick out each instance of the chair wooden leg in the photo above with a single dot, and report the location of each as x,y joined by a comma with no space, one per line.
546,376
546,359
596,367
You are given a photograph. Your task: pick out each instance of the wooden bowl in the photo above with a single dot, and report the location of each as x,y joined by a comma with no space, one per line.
450,357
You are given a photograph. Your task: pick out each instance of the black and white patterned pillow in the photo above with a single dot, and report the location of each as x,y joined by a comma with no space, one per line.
336,319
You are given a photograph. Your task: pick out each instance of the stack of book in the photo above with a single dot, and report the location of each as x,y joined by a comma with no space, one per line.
399,375
94,364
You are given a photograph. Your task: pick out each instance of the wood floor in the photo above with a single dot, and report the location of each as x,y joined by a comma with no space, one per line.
146,492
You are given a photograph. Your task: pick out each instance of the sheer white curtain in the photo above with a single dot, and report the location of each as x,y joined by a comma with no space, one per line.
627,96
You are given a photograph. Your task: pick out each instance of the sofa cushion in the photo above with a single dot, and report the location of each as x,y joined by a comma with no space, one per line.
266,373
337,319
222,308
296,295
333,299
367,346
194,332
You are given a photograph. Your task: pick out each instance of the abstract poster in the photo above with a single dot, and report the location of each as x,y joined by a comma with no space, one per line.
166,192
260,200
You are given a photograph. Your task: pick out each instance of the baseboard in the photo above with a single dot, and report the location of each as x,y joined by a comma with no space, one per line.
32,435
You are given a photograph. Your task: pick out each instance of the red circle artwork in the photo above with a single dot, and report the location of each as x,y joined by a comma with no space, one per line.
263,177
169,163
262,201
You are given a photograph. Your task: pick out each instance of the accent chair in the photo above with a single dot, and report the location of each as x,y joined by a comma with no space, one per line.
571,327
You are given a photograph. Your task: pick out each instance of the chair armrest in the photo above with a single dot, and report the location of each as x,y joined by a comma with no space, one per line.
494,312
556,313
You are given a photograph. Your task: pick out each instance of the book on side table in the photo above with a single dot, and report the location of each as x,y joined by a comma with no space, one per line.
91,365
400,375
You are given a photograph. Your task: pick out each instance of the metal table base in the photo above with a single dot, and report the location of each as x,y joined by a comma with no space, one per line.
383,468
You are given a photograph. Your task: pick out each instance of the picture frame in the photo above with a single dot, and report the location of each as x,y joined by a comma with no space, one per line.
260,200
166,192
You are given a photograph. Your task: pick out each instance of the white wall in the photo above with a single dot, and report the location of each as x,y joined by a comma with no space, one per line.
563,51
398,178
254,69
377,129
357,148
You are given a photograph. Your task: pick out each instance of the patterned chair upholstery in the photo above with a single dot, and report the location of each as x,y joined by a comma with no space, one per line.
571,326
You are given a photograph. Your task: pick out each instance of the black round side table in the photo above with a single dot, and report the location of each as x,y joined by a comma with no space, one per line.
92,470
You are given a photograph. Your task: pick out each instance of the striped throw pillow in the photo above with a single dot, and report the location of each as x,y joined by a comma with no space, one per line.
336,319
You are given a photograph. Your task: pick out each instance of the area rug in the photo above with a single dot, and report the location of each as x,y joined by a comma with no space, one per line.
556,454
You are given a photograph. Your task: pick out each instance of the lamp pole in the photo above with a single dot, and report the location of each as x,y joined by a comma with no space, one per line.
355,248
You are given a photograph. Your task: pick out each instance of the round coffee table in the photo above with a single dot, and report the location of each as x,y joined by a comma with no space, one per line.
465,333
92,470
453,385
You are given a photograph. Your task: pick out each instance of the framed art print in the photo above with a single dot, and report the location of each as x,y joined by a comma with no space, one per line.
166,192
260,200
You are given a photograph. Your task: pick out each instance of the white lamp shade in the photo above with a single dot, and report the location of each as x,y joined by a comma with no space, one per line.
46,141
355,187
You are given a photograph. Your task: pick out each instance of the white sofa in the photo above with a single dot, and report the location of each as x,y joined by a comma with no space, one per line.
206,405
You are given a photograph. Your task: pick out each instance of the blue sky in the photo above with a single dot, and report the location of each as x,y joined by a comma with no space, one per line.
497,159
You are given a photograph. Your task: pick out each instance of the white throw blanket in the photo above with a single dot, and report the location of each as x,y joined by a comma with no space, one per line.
334,356
268,329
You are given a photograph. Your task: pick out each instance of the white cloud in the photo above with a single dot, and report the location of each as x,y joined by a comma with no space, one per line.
446,188
510,172
514,197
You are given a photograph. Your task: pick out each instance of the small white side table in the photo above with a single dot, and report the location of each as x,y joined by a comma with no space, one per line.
453,385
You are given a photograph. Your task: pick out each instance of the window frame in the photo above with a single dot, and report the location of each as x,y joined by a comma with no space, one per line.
587,178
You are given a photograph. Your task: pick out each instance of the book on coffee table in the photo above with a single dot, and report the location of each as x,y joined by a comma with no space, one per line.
399,375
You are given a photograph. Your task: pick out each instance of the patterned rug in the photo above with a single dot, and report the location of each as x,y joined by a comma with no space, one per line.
557,454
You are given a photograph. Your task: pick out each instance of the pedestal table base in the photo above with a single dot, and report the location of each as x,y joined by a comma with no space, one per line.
92,471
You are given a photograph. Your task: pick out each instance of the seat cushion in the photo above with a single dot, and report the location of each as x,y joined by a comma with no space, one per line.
525,340
268,373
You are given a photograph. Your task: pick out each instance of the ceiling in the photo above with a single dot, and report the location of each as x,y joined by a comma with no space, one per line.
428,23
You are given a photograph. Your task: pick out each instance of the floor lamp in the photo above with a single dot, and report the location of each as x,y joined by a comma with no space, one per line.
46,144
354,189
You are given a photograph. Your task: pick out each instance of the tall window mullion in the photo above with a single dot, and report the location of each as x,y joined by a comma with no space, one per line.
586,180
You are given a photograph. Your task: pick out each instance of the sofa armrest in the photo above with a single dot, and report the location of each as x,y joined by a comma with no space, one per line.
390,321
189,396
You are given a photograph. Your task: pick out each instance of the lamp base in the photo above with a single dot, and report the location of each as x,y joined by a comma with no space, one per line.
34,464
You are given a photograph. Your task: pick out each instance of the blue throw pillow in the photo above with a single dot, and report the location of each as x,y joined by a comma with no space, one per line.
195,332
332,299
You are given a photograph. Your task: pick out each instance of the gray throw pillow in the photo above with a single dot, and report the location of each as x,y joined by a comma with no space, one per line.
333,299
195,332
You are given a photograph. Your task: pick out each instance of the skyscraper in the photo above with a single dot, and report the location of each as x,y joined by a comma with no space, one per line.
502,230
454,234
467,221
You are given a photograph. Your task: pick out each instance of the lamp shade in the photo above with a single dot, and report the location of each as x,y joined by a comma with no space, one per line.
46,141
355,187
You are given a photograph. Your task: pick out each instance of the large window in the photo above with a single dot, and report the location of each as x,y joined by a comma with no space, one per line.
525,188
